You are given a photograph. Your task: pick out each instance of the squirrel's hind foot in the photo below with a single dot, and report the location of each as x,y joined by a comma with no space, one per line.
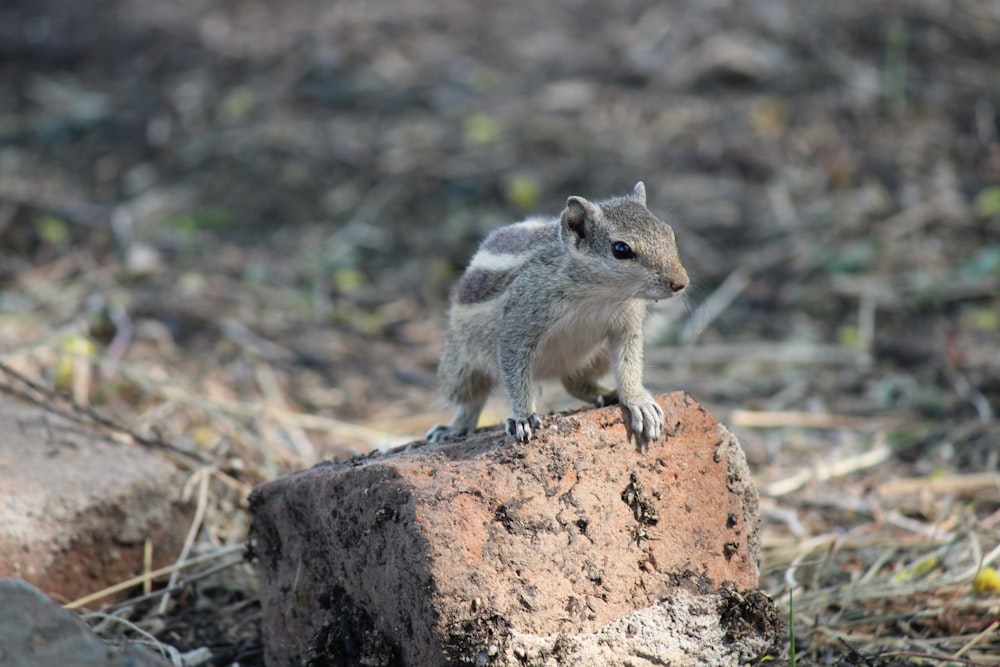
606,399
464,422
441,432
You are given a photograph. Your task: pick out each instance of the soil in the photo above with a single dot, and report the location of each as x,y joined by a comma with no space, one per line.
232,226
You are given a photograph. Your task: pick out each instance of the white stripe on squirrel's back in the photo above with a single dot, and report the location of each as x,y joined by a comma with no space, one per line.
500,256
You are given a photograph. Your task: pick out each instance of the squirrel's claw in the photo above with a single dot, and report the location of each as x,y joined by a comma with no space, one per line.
606,398
522,429
643,419
437,433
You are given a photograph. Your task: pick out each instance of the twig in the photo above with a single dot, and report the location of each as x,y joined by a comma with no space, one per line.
164,649
965,486
48,400
188,579
781,204
818,420
910,220
268,382
806,548
975,640
970,393
48,195
155,574
147,565
985,562
893,294
715,304
762,353
776,252
786,515
823,471
937,658
377,439
254,343
203,475
931,532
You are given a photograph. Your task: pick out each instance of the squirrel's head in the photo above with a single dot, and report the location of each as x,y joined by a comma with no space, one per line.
634,251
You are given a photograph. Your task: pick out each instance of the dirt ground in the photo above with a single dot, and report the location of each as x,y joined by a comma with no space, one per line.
233,224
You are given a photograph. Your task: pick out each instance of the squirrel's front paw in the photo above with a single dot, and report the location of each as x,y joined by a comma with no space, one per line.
643,418
522,429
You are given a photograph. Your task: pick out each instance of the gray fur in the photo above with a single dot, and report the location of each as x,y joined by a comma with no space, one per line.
512,239
479,285
547,298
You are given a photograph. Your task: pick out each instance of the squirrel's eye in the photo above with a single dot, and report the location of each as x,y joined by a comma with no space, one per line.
621,250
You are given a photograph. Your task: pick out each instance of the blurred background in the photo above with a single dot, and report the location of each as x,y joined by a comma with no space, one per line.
235,223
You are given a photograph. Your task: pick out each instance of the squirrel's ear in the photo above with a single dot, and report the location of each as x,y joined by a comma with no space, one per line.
639,193
578,212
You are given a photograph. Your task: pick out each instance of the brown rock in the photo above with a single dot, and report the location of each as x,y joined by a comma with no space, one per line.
576,548
76,507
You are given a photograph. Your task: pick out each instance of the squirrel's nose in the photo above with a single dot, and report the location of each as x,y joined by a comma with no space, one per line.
677,286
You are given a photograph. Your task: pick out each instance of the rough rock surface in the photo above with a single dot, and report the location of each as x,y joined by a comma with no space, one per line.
576,548
76,507
37,632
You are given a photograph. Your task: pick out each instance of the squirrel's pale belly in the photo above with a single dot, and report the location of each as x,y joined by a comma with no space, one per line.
576,337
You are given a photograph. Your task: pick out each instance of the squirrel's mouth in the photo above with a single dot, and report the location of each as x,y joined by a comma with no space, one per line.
659,293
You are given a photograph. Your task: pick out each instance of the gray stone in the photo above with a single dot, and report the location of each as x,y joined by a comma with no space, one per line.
76,505
37,632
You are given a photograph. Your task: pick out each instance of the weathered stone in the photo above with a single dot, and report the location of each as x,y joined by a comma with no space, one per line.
37,632
76,507
578,548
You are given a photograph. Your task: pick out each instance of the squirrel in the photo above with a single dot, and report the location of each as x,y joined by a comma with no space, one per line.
560,298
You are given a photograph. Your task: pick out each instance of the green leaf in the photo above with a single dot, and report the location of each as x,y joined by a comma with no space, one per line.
237,105
523,192
481,128
988,201
348,279
53,230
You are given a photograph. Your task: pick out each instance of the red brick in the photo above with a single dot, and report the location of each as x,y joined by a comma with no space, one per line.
489,551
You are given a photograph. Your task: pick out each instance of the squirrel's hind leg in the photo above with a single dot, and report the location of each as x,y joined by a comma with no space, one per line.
583,382
462,423
469,393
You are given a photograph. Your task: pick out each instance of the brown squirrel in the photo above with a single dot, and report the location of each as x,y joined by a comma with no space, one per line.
560,298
